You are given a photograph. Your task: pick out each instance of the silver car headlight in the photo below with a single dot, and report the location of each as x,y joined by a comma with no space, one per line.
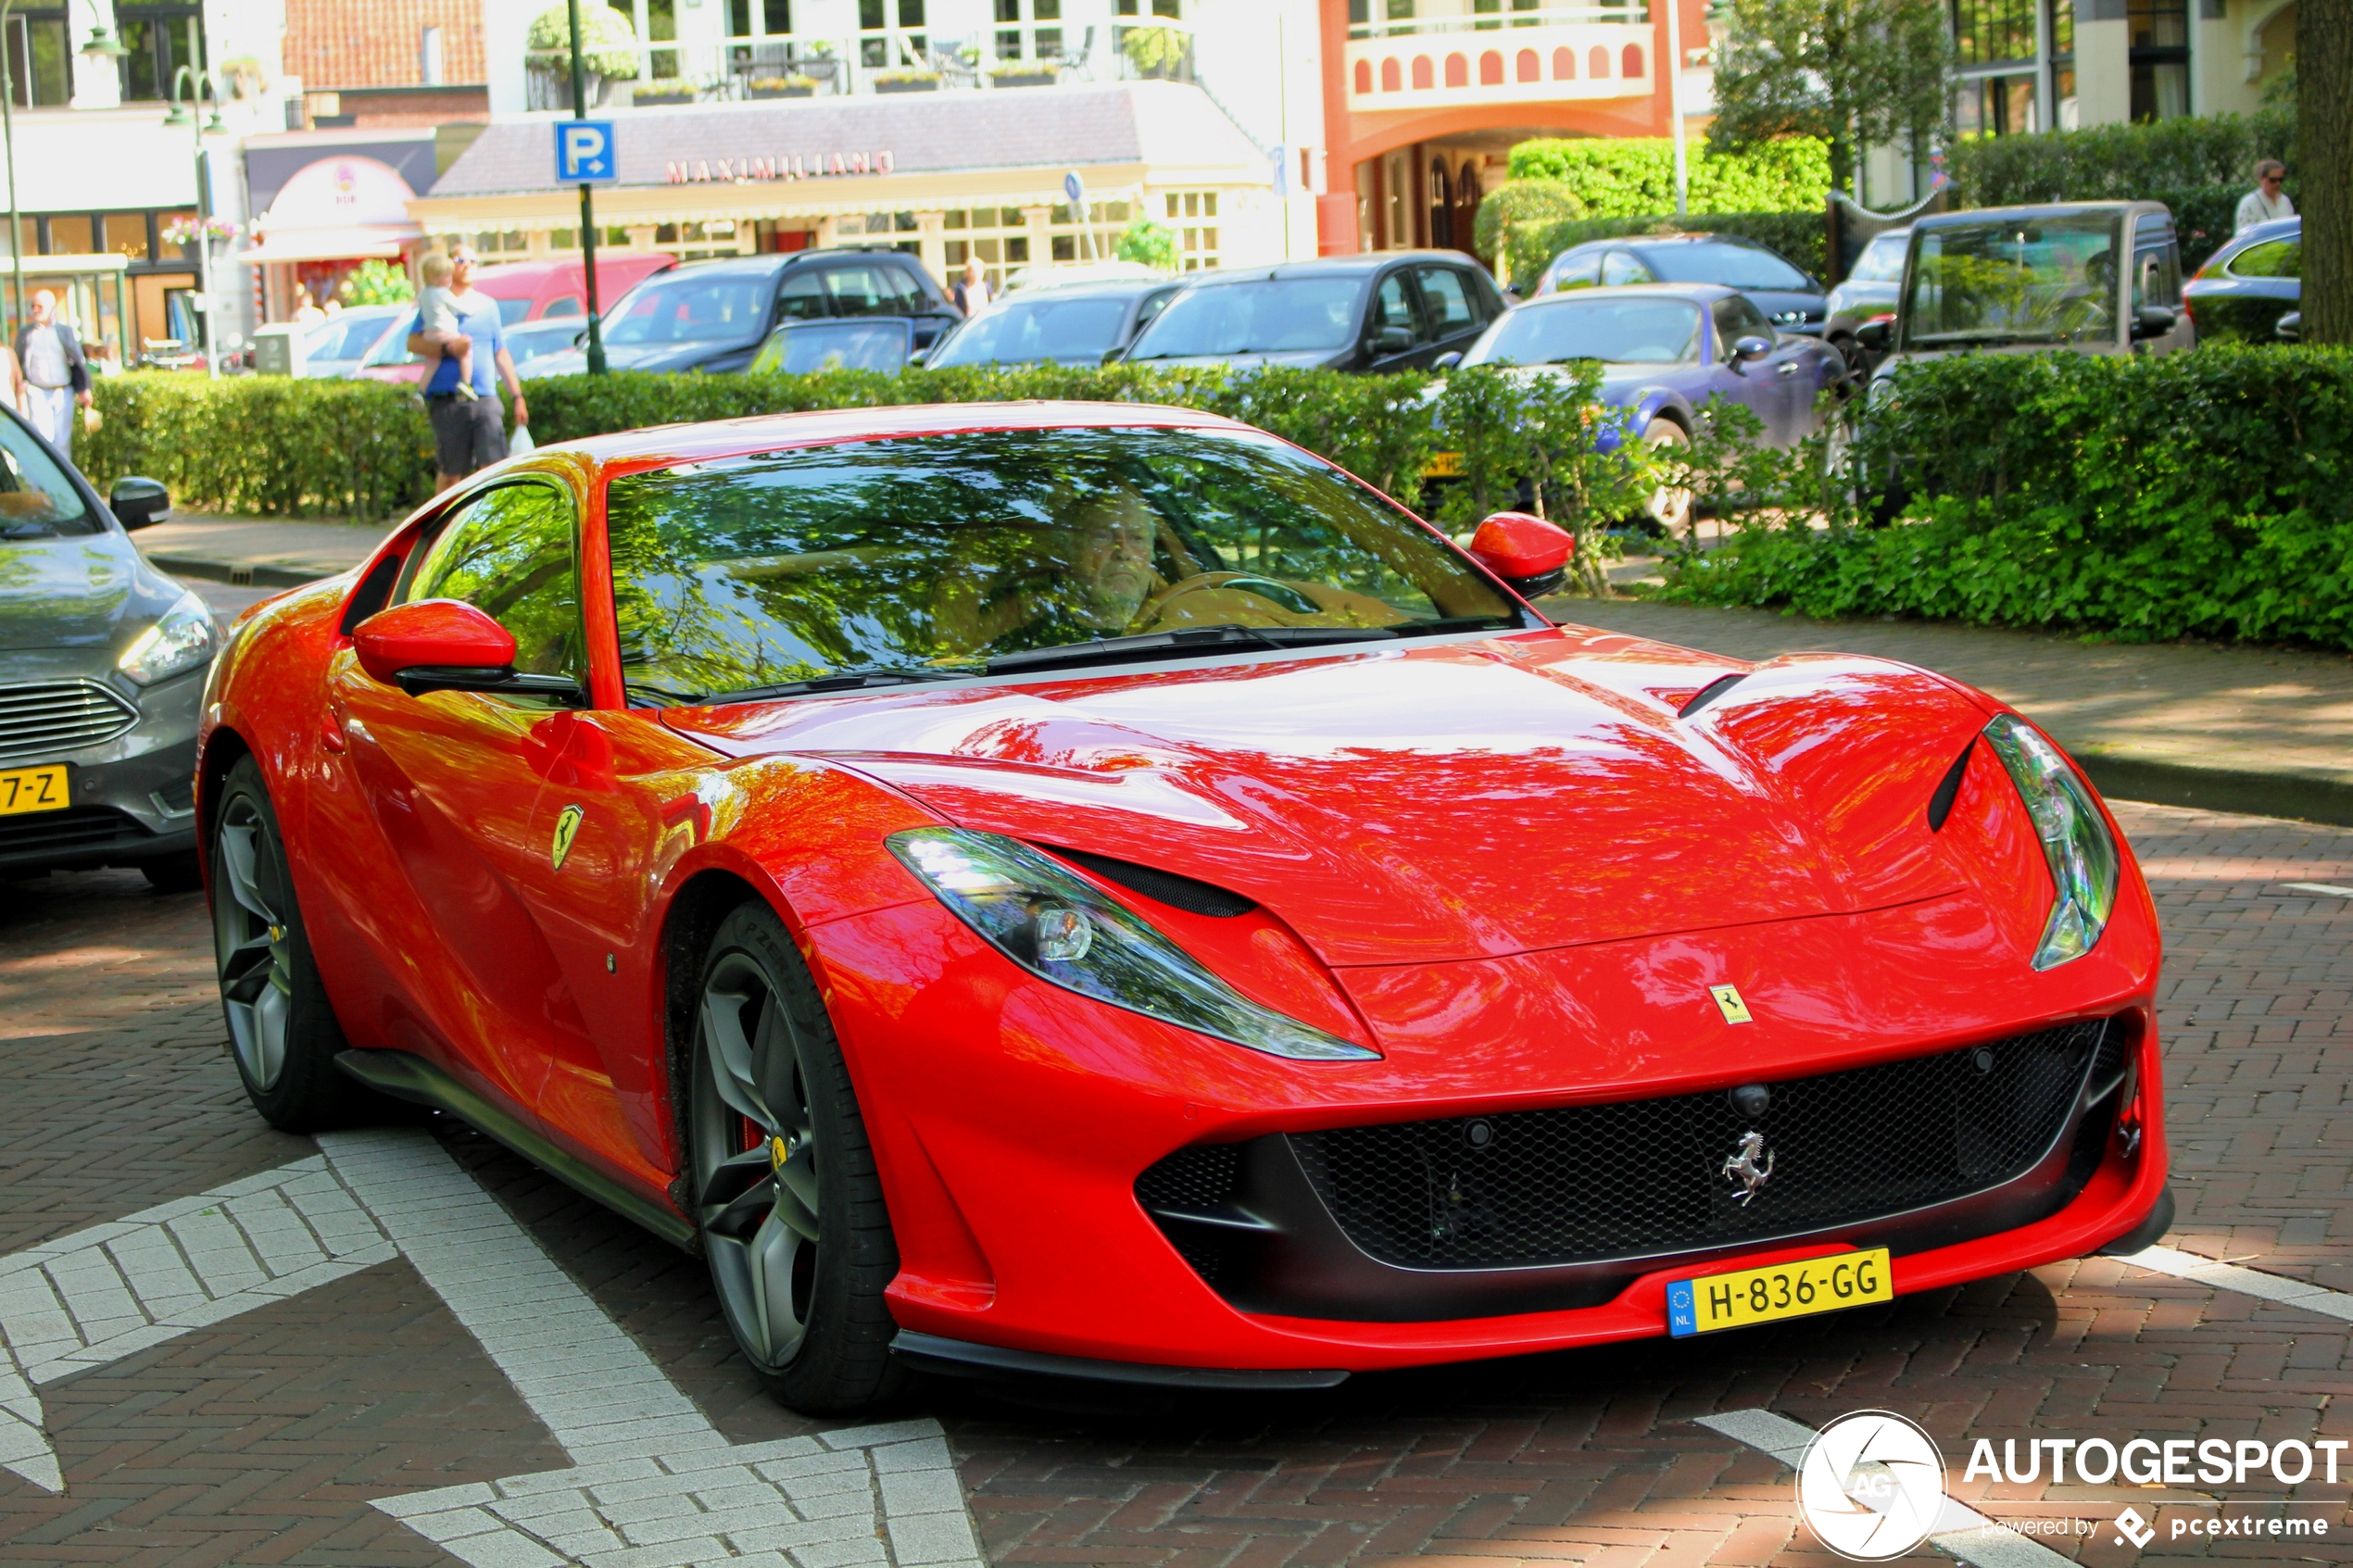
1060,929
2076,841
183,639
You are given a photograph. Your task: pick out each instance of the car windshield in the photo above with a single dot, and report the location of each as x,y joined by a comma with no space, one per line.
512,310
36,499
1718,261
344,336
929,555
1619,331
1881,262
691,309
832,346
1269,315
1038,329
2045,279
535,340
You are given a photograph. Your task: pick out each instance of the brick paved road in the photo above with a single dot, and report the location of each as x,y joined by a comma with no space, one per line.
262,1439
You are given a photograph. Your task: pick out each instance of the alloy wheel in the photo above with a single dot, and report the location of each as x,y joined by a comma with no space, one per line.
756,1161
250,940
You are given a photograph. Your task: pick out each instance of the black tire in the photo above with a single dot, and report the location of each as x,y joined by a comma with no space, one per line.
174,874
283,1033
786,1189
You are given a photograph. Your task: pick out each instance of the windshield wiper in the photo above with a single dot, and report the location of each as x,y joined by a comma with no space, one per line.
1175,645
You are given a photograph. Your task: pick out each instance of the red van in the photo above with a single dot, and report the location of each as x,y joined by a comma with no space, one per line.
527,291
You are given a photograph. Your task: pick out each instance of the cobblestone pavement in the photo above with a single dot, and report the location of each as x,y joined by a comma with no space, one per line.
266,1437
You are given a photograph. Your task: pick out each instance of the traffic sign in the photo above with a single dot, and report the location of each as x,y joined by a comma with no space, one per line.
585,152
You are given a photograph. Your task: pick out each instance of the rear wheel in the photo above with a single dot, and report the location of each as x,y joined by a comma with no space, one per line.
282,1029
786,1190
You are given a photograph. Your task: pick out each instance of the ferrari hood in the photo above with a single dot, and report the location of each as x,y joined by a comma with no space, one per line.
1414,804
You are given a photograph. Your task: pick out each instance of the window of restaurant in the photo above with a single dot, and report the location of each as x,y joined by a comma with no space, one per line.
2160,58
493,244
700,242
994,236
608,237
1196,239
1030,30
890,36
40,59
1069,236
161,35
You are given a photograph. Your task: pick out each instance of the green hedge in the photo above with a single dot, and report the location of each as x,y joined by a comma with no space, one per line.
2206,493
263,445
1626,177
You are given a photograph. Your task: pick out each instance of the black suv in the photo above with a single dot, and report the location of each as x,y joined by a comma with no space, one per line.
714,315
1387,310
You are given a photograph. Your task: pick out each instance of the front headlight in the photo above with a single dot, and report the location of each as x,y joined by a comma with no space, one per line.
2076,841
1060,929
182,640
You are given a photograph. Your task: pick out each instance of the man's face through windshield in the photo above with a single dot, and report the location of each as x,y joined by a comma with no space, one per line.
1111,559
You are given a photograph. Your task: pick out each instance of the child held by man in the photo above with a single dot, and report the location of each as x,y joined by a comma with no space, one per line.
444,335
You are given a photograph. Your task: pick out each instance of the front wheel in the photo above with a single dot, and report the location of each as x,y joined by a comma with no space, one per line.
786,1189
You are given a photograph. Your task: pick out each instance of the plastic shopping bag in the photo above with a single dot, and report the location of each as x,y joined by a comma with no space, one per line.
521,442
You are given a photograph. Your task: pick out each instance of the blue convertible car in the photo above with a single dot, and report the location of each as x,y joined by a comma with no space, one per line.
1666,349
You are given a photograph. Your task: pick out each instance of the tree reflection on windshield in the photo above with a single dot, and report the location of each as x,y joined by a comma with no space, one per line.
2050,280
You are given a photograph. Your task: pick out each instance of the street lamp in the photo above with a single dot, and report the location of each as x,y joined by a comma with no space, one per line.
101,47
191,115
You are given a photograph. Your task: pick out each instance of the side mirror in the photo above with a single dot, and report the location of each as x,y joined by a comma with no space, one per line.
2287,329
1393,339
2154,321
1526,552
918,356
1876,334
1114,356
1748,349
447,645
137,503
1447,361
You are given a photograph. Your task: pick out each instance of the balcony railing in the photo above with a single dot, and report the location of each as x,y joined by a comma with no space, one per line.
1499,20
1579,53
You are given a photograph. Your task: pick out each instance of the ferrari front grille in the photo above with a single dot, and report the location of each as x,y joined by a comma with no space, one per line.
1647,1177
47,718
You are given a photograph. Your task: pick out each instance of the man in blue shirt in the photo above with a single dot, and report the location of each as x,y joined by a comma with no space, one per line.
469,434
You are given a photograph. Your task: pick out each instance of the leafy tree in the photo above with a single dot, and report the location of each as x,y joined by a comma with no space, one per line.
607,43
1148,243
376,283
1853,72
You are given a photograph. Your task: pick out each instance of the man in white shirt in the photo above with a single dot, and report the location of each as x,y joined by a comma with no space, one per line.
2267,201
56,376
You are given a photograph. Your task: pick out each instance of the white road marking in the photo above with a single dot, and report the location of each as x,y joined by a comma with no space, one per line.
2330,888
2245,1282
1960,1531
656,1486
101,1294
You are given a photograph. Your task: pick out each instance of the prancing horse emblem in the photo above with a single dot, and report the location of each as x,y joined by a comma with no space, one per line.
1743,1170
566,829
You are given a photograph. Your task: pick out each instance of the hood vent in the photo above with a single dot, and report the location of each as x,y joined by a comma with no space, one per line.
1940,804
1709,693
1177,892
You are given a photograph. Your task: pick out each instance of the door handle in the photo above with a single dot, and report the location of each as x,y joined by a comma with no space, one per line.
1787,368
331,733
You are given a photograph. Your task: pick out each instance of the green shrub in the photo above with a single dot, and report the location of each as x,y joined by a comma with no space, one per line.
1801,236
2121,162
2208,494
1518,210
376,283
1626,177
264,446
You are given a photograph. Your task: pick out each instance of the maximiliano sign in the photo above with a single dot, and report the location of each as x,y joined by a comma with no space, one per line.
794,166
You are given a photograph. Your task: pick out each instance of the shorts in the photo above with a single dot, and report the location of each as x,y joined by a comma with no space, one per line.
466,435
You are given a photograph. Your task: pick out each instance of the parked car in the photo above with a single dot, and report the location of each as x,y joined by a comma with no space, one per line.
1666,350
2247,289
532,291
536,340
1867,294
1791,297
1075,275
873,343
1385,310
102,674
1184,922
336,348
1078,324
2086,277
715,315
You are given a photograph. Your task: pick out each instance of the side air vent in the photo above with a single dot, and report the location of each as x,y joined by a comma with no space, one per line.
1177,892
1940,804
1709,693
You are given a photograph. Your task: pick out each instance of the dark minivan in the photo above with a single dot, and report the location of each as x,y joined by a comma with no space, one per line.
715,315
1388,311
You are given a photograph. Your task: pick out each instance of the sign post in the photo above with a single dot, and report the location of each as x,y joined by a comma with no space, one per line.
585,153
1076,189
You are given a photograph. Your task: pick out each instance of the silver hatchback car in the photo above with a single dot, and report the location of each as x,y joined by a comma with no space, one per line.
102,673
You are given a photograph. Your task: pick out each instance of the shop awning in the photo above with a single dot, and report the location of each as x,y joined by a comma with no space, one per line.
330,245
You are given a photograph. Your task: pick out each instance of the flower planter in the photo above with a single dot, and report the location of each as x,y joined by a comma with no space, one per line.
780,92
930,84
659,100
1022,79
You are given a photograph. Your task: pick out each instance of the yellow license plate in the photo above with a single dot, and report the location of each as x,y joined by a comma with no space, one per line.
1783,1291
1444,465
33,789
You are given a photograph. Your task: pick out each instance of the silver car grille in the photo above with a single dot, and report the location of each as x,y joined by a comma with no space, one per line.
45,718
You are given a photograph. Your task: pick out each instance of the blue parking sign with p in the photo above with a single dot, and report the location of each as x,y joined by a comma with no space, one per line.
583,151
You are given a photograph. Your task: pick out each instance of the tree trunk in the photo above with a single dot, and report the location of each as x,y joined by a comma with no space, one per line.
2324,159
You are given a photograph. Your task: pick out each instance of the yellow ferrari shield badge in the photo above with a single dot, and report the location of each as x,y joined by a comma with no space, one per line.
566,829
1728,1003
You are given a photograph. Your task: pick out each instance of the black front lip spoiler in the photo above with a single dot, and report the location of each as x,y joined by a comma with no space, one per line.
963,1358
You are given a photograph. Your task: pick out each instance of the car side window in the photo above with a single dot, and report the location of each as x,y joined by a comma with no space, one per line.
1394,306
1577,270
862,290
802,298
1736,317
1447,299
2272,259
509,553
914,299
2157,266
1153,305
569,305
1620,267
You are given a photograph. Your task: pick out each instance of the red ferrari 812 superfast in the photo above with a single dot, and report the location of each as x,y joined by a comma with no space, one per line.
1096,891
